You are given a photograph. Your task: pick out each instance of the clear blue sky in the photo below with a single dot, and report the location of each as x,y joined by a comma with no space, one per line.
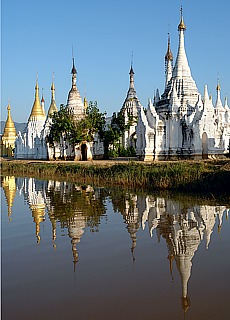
37,37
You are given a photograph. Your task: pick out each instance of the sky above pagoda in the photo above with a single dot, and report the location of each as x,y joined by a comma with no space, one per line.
38,37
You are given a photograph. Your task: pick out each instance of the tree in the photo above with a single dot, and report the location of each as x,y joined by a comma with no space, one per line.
113,135
93,122
65,126
62,125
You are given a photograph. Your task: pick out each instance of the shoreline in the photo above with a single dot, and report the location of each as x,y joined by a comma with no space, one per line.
203,176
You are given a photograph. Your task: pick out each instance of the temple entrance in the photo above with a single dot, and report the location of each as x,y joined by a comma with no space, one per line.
204,146
84,152
133,140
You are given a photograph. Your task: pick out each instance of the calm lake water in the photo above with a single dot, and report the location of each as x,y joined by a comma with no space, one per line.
77,252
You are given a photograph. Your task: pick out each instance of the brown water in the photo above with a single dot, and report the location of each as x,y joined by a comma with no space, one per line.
82,253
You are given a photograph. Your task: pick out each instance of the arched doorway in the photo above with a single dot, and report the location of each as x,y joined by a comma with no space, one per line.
204,146
84,152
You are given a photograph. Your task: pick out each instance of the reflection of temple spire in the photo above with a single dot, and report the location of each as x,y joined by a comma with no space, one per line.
134,243
184,265
75,253
208,237
132,220
183,238
38,213
208,217
53,223
37,205
9,187
185,302
170,258
76,229
220,218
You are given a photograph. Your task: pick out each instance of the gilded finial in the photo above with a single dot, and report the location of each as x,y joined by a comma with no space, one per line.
85,100
218,84
182,24
42,100
169,55
52,85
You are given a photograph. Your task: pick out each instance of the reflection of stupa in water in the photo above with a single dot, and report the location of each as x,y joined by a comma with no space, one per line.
183,238
9,187
76,227
74,207
132,219
73,219
36,202
182,227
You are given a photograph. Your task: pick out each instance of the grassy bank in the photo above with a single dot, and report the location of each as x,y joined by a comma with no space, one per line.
201,176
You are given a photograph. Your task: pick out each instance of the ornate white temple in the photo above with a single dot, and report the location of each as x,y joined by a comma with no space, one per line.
181,123
33,144
29,144
130,109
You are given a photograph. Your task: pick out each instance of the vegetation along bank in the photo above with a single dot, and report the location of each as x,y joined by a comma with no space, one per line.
211,176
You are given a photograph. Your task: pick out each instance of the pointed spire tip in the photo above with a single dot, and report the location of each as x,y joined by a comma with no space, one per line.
181,25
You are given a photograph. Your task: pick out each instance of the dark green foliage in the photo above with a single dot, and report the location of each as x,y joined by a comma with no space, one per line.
113,135
94,120
76,200
126,152
64,125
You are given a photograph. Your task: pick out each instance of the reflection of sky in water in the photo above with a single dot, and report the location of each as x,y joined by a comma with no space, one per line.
109,254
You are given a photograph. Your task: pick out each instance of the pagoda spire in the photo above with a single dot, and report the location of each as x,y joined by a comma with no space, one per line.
169,55
74,76
218,104
43,103
9,135
73,71
53,107
74,101
181,68
168,63
226,104
9,129
181,25
131,94
131,75
85,102
36,112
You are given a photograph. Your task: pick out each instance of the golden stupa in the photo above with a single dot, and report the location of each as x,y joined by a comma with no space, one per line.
9,136
37,113
53,107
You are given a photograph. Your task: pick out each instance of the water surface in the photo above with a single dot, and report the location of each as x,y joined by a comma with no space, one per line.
78,252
